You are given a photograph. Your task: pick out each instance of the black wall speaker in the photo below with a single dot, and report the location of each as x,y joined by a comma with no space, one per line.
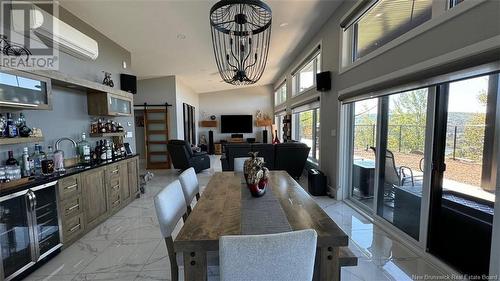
128,83
211,146
264,136
323,81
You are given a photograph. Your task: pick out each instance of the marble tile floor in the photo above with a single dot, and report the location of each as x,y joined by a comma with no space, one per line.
129,246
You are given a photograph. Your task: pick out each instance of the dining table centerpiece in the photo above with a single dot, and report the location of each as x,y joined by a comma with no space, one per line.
256,175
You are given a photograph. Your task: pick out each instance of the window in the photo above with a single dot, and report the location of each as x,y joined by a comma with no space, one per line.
305,78
278,121
307,128
385,21
453,3
280,94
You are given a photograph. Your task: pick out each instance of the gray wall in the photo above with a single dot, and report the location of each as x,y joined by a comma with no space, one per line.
479,23
69,116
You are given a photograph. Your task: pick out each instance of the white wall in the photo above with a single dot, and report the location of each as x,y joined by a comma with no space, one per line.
184,94
241,101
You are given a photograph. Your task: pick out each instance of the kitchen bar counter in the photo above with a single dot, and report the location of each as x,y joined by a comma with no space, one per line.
57,176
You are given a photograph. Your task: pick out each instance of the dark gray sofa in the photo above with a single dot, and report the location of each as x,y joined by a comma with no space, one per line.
291,156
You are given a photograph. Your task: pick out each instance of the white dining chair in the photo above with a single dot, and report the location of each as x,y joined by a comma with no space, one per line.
170,208
239,163
270,257
190,187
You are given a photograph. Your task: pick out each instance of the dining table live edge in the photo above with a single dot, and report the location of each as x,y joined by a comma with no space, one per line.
218,213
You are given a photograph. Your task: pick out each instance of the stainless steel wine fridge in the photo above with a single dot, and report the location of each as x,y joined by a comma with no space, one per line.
29,228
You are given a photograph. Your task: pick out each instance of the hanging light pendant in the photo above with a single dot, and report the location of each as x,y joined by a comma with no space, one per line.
241,31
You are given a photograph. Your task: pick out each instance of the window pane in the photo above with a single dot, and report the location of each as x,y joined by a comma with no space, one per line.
306,77
317,133
466,140
364,137
305,128
387,20
318,63
402,172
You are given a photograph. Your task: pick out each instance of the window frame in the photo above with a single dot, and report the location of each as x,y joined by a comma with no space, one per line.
440,15
316,147
277,101
315,57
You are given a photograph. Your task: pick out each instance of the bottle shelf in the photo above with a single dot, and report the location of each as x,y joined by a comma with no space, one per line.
104,135
18,140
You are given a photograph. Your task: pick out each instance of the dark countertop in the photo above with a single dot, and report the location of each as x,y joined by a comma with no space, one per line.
56,176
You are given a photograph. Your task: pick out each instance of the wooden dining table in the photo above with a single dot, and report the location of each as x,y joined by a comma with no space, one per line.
227,208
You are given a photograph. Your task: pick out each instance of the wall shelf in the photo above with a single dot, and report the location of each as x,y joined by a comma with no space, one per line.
208,123
106,135
6,141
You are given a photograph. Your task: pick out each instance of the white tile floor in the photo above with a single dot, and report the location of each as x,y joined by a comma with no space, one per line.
129,246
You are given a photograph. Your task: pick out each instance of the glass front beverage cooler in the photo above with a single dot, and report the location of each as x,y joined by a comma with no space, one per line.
29,228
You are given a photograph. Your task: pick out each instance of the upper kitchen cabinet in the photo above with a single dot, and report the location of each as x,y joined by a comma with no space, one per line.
24,90
108,104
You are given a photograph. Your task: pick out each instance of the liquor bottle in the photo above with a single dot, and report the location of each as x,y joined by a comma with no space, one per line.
3,126
84,150
102,151
109,151
97,153
11,161
48,162
11,127
25,166
37,158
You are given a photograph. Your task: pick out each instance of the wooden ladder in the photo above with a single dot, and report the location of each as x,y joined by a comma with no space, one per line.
156,138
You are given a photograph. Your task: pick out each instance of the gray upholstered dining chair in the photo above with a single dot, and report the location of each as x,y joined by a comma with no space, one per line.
239,163
170,208
190,187
270,257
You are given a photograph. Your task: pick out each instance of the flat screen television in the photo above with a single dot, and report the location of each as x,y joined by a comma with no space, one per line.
236,124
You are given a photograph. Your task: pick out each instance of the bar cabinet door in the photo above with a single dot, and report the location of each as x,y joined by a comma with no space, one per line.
17,248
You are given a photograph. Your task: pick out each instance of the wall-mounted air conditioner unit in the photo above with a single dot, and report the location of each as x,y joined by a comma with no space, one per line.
57,33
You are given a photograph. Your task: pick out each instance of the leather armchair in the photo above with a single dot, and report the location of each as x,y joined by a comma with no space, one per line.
183,157
291,157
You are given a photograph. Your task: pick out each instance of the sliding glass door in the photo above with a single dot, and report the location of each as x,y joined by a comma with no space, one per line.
426,162
464,177
364,135
402,151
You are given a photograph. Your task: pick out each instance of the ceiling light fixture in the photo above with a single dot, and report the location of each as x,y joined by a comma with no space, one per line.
241,32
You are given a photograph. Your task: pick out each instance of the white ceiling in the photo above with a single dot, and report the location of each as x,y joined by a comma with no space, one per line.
152,30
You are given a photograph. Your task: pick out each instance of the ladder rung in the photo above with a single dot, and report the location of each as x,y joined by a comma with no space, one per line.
155,121
157,132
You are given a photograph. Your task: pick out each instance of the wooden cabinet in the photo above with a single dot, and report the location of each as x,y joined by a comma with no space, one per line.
24,90
124,182
71,207
133,176
95,196
88,198
107,104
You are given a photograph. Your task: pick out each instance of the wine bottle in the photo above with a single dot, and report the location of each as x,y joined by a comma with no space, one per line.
11,161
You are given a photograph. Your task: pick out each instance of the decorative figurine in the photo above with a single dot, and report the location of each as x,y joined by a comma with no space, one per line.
256,175
213,117
107,80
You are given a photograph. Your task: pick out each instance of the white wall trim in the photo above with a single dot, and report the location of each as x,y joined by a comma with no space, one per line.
417,31
463,53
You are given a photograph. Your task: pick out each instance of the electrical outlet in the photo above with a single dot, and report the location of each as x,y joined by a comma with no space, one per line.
129,134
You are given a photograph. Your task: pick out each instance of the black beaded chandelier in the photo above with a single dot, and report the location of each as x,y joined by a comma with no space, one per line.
241,31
